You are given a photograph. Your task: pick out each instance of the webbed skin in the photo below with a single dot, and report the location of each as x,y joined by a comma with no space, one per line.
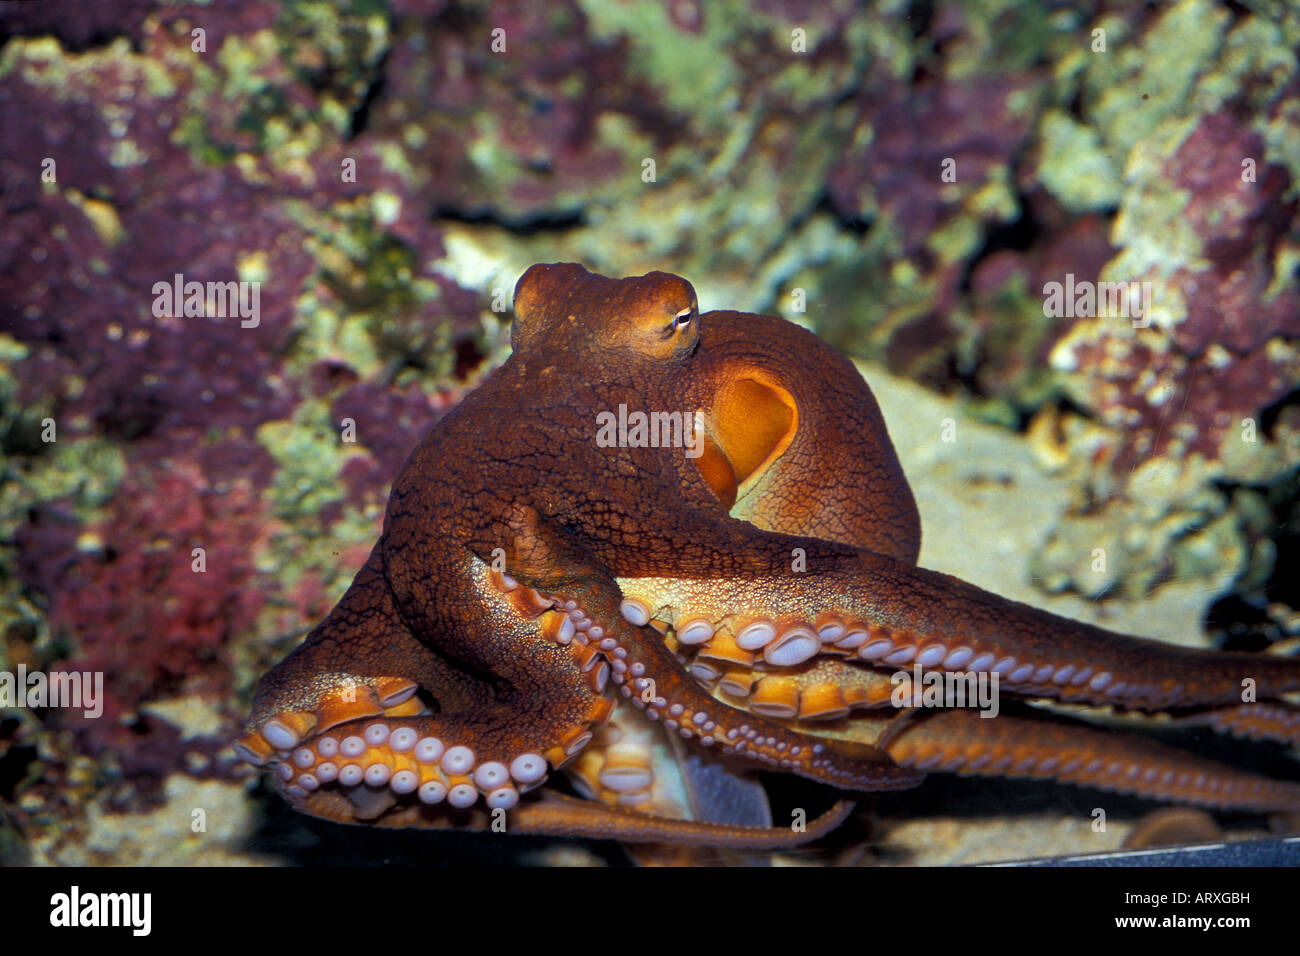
532,585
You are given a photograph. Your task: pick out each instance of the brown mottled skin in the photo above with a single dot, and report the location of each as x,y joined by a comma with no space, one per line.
515,474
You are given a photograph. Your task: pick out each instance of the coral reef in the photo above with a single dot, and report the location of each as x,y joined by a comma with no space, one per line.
145,527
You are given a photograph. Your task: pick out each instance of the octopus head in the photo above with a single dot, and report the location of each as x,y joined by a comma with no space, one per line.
561,307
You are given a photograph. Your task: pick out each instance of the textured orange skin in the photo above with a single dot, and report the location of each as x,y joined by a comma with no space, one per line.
515,470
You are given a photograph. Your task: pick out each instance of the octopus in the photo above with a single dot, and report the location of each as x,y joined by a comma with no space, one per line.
660,551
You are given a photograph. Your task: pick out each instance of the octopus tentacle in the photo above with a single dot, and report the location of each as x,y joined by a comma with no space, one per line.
961,742
633,762
491,755
653,679
824,689
1259,720
361,661
622,766
490,741
561,816
574,818
894,616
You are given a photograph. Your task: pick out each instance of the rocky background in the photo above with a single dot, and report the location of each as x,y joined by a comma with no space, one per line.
385,169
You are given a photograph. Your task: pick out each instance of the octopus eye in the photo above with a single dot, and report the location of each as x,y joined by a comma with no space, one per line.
683,318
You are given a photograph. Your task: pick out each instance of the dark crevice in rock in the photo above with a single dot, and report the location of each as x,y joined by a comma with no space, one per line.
858,225
523,227
1253,619
361,115
1023,233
